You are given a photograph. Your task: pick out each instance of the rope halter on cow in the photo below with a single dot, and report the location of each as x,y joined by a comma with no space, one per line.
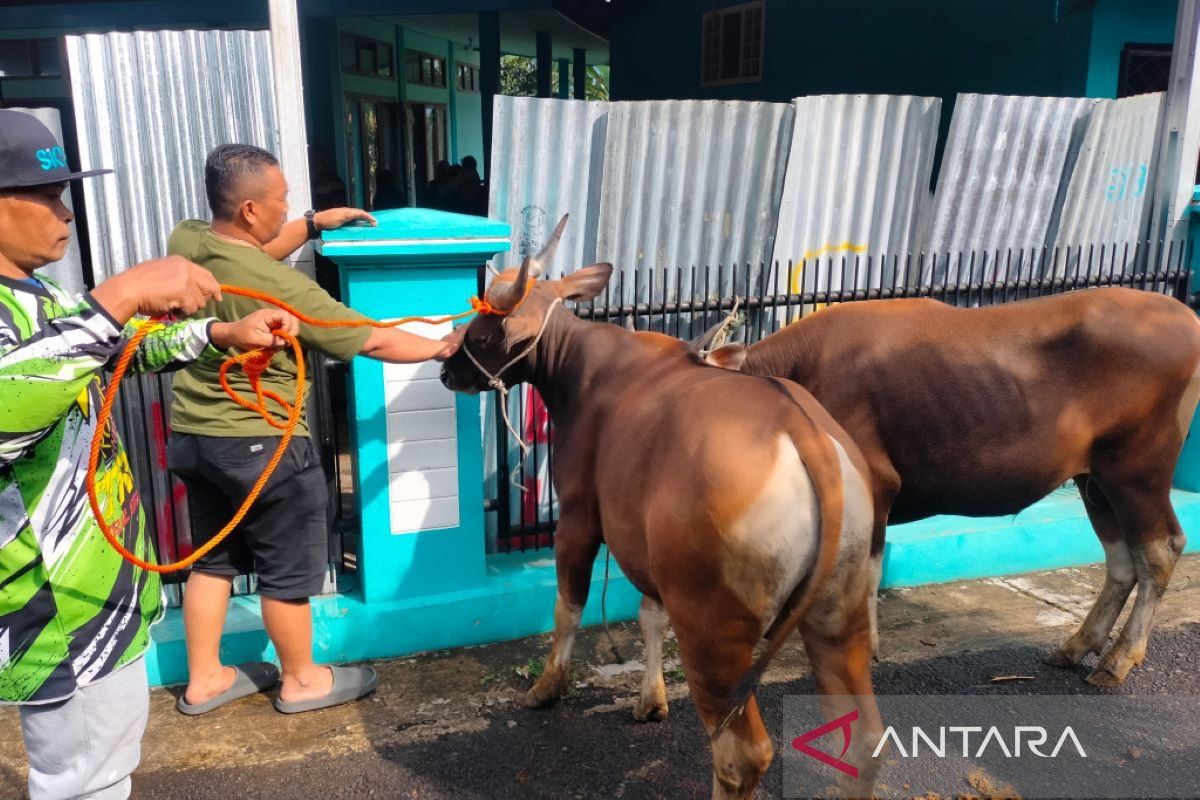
497,382
503,301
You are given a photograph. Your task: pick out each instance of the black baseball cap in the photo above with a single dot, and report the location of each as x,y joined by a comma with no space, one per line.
31,156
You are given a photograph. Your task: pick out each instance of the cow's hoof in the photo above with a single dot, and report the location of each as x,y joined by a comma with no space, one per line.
655,711
536,699
545,692
1104,679
1059,658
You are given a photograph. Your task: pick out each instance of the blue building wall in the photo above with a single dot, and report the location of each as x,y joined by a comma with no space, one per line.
1114,24
923,47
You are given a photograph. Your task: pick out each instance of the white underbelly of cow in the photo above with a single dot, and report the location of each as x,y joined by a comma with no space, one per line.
772,546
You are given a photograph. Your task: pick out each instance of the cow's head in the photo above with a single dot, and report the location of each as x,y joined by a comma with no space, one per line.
501,344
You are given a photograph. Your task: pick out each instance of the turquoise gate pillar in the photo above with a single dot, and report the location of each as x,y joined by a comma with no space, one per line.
416,446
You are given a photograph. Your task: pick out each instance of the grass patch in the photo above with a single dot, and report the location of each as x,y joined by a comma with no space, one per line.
533,669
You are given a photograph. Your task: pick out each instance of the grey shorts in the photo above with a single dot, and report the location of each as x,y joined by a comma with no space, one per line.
284,537
86,746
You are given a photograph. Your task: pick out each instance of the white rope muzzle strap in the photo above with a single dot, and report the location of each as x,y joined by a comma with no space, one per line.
497,383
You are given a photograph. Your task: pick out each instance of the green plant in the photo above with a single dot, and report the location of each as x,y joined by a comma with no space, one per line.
518,78
533,669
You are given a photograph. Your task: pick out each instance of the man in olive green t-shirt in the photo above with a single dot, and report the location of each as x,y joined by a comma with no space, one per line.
219,449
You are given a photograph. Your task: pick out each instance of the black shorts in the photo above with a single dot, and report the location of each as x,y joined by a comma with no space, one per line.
284,537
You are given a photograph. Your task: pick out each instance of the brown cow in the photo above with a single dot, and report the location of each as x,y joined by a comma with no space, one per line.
984,411
735,504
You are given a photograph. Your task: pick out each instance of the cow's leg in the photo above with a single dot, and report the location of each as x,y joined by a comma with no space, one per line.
875,577
652,705
887,486
1155,542
575,549
717,646
841,664
875,566
1118,582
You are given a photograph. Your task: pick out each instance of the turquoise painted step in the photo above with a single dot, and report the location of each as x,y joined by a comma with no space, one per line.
516,601
517,598
1052,534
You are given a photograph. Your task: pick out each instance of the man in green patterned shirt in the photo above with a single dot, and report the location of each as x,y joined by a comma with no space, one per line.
74,615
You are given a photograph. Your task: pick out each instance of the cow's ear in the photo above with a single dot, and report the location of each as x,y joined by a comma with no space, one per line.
585,283
731,356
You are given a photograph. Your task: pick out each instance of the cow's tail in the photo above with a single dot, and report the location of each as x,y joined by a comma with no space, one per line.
821,460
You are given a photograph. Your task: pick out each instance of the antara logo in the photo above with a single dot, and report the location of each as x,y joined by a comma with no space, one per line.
842,723
1032,737
52,158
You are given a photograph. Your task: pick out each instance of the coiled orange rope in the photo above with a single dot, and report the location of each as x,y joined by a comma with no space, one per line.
253,363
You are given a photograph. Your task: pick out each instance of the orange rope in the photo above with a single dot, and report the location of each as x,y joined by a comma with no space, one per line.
253,363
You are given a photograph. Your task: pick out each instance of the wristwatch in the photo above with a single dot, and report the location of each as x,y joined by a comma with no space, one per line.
313,233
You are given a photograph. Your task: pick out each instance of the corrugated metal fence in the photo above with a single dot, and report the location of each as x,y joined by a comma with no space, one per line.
686,181
553,162
689,183
193,90
857,173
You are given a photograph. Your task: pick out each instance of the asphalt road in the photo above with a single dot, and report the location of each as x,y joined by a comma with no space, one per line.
443,725
583,748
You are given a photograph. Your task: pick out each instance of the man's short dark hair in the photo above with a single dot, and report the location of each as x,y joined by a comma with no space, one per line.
469,162
224,170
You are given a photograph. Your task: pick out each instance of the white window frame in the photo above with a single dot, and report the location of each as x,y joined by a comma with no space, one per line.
723,12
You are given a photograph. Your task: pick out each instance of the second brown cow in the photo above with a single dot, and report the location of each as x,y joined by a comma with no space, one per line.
984,411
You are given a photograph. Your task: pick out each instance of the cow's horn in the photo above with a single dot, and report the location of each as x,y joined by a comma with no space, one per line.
506,296
539,263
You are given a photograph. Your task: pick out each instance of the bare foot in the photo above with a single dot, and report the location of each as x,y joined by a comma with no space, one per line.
316,684
206,687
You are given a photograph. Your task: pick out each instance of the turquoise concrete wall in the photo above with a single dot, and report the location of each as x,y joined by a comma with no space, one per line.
1187,471
1051,534
1117,22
